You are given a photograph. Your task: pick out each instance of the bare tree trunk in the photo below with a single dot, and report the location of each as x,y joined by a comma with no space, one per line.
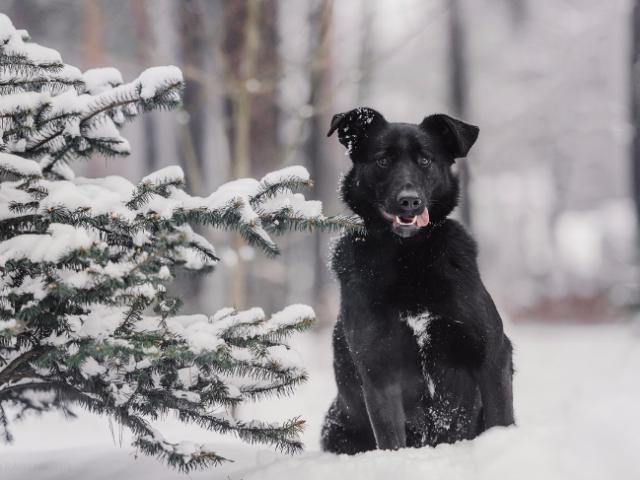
315,145
93,38
265,110
635,110
458,96
635,121
139,11
242,44
93,33
242,96
193,51
366,60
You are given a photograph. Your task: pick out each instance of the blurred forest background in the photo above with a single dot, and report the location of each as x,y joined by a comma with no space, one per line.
549,186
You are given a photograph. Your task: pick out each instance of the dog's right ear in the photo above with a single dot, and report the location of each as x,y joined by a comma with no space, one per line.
355,126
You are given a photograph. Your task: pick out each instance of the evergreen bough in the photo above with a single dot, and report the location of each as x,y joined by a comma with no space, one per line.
85,317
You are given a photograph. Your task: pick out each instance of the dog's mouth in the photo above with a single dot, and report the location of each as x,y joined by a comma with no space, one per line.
406,220
406,225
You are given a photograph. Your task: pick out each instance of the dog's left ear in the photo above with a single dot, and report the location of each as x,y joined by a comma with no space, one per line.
458,136
355,125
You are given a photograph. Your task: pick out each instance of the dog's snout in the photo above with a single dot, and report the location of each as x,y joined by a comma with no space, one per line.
409,200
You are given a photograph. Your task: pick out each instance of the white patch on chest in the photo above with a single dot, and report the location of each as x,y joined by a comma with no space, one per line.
419,323
431,386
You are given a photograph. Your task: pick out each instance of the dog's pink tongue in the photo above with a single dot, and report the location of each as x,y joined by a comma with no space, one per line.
423,218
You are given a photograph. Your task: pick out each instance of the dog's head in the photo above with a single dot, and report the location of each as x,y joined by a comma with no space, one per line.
401,177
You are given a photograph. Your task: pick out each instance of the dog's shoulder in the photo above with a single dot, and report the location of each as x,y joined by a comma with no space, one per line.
458,246
343,253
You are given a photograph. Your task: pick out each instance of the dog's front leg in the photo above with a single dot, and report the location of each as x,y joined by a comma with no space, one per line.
383,398
374,349
495,382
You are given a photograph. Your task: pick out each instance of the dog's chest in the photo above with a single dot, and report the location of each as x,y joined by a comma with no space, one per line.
418,288
410,283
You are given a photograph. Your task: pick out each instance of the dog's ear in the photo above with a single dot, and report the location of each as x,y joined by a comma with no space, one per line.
355,125
457,135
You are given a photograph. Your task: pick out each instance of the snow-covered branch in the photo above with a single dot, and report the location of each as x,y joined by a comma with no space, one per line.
53,112
85,314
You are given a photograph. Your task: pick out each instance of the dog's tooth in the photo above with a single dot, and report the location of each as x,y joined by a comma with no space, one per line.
400,221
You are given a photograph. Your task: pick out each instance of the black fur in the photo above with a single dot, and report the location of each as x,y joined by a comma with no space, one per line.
398,386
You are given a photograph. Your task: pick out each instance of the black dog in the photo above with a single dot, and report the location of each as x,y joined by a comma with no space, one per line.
420,356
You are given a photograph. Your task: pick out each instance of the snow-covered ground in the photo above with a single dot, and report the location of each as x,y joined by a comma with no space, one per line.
577,393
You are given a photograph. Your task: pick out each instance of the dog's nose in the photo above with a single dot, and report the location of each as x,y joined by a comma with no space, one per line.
409,200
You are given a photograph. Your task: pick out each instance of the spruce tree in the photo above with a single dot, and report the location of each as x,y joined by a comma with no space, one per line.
85,315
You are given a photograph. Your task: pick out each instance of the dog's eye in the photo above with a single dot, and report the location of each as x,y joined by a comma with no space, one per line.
383,162
424,161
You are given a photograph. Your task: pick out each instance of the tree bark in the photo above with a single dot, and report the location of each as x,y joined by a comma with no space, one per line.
93,53
140,13
193,52
458,97
315,145
635,110
241,47
366,57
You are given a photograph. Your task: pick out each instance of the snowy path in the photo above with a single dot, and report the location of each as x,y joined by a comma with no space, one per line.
577,404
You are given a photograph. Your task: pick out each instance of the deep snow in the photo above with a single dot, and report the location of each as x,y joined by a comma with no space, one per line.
577,395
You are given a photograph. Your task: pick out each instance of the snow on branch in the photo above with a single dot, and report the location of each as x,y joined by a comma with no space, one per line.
90,257
16,43
52,112
19,167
